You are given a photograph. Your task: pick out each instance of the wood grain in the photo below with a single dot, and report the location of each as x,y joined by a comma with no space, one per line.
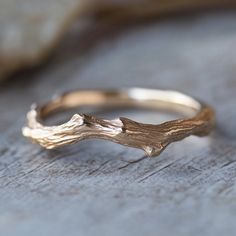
101,188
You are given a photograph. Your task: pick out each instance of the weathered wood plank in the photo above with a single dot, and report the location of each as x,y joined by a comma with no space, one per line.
94,188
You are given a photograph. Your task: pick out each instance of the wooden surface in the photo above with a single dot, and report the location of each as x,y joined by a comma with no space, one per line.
100,188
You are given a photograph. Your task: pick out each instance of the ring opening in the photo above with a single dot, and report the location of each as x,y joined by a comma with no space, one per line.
135,97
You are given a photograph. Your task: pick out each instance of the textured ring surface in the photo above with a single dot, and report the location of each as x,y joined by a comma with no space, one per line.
152,138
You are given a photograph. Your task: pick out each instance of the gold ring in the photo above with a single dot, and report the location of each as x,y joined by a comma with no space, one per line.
152,138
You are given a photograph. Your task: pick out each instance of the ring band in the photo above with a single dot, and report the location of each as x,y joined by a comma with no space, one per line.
153,139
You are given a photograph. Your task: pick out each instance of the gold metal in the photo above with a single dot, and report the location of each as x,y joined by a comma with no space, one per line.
153,139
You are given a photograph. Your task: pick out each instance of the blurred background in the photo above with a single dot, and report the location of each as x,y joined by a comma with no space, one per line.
94,188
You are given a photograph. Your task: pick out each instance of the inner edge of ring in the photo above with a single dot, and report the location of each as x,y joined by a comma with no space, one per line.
135,97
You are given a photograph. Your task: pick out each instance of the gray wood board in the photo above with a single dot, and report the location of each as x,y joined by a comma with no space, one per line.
99,188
